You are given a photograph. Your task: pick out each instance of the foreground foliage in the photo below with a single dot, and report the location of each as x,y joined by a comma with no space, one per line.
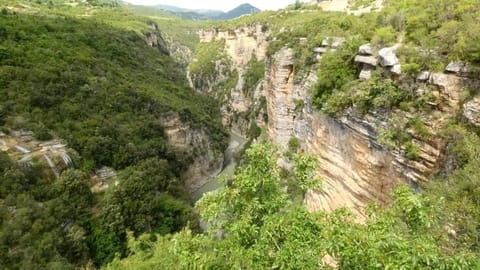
252,225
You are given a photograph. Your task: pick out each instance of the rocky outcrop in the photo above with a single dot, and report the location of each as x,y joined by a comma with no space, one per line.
51,155
239,108
354,166
240,43
206,161
154,38
280,104
471,111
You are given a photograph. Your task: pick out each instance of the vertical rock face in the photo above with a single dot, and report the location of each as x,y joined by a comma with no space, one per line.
280,104
240,43
206,163
154,38
471,111
354,166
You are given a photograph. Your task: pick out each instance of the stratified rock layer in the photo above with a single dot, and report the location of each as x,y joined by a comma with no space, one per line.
354,166
205,164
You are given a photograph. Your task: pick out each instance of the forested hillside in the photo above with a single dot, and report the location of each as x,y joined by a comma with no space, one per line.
98,127
255,224
103,91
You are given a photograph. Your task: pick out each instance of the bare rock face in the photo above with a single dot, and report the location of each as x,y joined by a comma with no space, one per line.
206,164
471,111
154,38
354,166
22,147
280,103
365,74
396,69
320,50
241,43
448,87
423,76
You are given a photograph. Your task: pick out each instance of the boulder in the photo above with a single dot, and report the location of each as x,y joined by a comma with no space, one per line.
396,69
387,56
333,42
455,67
423,76
369,60
458,67
365,74
365,49
320,50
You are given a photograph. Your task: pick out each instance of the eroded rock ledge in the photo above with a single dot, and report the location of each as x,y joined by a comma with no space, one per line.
354,166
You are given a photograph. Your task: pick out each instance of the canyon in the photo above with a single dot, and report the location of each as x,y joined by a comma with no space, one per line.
355,167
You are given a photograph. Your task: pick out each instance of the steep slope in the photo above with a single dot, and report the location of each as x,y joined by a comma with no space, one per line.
119,106
371,113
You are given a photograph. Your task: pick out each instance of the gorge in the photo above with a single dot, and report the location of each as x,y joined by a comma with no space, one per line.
333,134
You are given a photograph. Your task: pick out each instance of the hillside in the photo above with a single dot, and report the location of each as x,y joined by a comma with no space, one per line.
375,125
192,14
354,136
113,96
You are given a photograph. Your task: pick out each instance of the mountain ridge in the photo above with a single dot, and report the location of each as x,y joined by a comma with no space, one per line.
207,14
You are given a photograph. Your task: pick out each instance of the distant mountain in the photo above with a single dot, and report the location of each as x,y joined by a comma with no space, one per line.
241,10
206,14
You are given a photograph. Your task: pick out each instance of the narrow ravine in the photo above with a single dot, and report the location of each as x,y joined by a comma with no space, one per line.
237,142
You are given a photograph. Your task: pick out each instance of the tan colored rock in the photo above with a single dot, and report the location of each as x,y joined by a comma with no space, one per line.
471,111
185,138
240,43
280,103
449,88
354,167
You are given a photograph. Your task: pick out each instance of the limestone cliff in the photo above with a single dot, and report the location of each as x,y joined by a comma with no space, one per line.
240,107
207,162
240,43
354,166
154,38
346,5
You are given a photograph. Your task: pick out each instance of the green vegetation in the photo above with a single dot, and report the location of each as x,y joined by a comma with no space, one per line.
335,77
210,58
253,225
95,94
255,71
95,83
293,144
176,30
356,4
81,71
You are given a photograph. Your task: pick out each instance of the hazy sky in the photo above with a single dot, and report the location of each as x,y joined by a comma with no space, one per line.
224,5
